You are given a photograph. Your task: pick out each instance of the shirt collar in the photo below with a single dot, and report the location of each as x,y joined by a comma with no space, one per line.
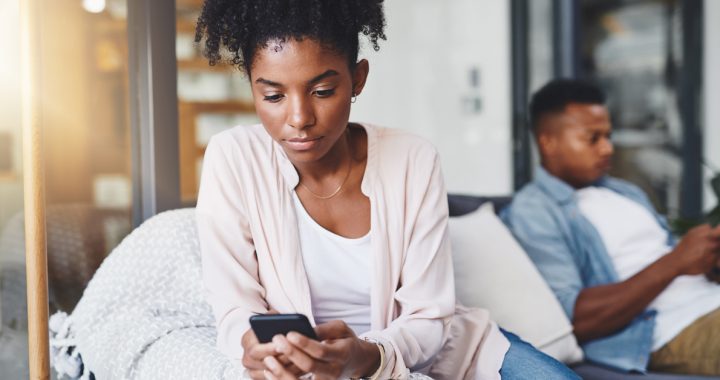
558,189
288,171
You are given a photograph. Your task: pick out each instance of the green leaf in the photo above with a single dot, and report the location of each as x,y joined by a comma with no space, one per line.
681,226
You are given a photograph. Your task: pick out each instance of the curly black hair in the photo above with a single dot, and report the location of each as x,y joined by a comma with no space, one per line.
244,26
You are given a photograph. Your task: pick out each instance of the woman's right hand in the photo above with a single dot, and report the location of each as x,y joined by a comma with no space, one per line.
255,352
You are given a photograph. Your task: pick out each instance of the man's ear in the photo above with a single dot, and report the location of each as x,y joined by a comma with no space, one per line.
547,144
359,76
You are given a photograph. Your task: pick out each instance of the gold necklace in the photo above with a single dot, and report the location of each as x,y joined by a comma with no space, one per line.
347,175
334,193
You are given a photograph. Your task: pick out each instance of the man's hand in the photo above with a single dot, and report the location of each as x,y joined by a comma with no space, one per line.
339,354
714,274
697,252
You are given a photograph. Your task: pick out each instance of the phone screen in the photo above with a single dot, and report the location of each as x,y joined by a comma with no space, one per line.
266,326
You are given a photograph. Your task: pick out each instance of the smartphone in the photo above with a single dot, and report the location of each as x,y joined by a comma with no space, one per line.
266,326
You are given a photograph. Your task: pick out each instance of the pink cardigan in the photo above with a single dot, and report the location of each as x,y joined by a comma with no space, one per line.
252,261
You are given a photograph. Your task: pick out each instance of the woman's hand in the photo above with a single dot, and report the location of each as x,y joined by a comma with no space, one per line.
254,354
339,354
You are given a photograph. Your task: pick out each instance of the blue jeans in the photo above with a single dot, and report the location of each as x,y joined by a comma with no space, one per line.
523,361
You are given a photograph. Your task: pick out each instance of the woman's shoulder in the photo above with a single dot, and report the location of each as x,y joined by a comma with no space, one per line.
250,140
239,136
239,152
399,142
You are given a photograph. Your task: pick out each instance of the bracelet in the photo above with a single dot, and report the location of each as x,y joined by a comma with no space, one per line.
381,348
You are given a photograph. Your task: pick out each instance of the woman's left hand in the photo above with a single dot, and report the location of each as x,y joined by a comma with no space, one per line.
338,354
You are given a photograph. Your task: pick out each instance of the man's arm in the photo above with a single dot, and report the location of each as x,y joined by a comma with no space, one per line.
602,310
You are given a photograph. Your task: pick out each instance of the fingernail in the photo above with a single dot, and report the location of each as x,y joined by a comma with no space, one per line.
280,344
271,363
293,338
281,347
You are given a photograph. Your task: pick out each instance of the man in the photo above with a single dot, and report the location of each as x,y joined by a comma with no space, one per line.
637,300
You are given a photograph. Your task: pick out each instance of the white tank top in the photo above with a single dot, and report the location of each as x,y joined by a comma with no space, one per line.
339,272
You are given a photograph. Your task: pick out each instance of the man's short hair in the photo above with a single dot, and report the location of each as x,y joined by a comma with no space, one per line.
558,93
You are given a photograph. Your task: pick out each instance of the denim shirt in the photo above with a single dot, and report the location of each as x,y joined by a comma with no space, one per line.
570,254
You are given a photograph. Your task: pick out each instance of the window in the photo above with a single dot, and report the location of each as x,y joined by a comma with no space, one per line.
84,119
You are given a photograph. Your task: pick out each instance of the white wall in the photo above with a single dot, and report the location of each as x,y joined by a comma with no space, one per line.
711,86
421,81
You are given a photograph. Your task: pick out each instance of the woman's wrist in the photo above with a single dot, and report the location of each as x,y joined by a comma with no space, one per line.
369,360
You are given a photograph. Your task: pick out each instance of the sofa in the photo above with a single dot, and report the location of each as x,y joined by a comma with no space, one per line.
143,314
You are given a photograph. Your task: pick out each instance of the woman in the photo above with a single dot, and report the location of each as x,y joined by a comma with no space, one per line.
345,223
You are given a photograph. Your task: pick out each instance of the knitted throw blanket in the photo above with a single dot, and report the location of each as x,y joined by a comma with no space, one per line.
143,315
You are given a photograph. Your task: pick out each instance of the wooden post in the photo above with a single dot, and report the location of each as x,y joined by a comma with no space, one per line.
34,194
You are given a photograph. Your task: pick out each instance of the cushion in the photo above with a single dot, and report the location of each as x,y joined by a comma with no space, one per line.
493,272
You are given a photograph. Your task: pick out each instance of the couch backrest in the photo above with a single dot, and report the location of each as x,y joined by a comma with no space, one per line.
461,204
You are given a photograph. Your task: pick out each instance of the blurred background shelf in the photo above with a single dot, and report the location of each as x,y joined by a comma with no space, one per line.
210,99
194,135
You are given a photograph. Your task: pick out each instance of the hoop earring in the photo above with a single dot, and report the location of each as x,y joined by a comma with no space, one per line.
354,98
